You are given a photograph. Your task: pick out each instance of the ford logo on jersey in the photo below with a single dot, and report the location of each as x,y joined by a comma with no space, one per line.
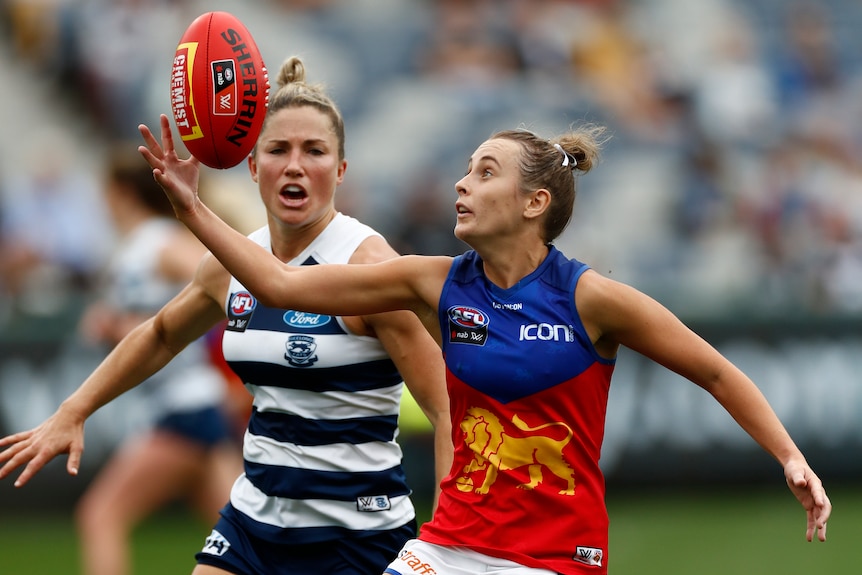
467,325
303,319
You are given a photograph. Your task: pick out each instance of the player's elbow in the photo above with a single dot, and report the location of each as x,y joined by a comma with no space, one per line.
156,326
271,298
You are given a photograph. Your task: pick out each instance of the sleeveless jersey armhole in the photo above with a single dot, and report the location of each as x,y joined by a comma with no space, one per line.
442,313
577,317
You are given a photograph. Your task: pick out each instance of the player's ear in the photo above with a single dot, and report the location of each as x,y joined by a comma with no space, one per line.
537,203
252,167
342,168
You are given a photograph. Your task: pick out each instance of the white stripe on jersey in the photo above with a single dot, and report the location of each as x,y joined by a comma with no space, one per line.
328,404
371,456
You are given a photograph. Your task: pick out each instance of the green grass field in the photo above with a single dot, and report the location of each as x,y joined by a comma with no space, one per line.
740,532
724,532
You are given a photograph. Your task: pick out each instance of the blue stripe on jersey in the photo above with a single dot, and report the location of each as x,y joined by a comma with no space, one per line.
296,483
355,377
287,321
286,428
291,535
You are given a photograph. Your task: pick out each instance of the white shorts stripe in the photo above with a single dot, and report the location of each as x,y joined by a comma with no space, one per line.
421,558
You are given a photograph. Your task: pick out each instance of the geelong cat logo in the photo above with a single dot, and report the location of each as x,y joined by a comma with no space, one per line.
467,325
300,351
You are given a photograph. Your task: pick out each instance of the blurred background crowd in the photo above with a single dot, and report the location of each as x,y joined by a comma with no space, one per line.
730,190
732,182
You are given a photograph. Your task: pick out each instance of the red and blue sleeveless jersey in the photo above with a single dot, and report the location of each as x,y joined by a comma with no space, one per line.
528,402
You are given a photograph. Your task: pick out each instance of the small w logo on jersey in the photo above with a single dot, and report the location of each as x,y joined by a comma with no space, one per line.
373,503
588,556
216,544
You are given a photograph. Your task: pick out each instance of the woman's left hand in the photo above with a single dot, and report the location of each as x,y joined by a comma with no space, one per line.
177,177
808,489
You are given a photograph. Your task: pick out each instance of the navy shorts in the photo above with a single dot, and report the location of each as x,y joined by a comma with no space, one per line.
230,548
208,426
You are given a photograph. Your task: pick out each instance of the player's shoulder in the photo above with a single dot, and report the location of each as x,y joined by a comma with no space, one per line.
371,246
372,250
606,301
595,285
212,277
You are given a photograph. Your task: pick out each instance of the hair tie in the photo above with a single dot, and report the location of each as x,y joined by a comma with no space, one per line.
567,157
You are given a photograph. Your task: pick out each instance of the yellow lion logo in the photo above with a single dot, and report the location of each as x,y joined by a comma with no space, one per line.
497,451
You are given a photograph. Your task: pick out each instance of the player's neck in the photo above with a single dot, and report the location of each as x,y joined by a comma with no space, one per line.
288,241
506,268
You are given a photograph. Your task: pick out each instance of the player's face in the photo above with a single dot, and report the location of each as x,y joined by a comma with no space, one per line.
490,203
296,166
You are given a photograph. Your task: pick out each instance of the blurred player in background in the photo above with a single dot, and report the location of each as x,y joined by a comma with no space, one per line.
530,340
189,451
324,489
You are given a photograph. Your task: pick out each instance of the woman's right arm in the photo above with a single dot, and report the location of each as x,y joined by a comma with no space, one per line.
399,283
143,352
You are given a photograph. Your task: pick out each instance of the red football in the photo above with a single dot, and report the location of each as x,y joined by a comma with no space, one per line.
219,90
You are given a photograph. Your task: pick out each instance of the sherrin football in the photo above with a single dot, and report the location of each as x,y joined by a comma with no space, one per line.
219,90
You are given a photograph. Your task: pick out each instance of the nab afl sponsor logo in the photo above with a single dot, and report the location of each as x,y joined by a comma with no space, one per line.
239,311
303,320
467,325
224,88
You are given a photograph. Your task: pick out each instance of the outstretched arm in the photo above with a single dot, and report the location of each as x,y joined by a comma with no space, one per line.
144,351
331,289
616,314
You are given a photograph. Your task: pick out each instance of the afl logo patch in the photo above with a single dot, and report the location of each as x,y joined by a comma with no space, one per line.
467,325
239,311
469,317
224,88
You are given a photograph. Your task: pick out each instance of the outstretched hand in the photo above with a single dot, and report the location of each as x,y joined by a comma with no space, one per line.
808,489
60,433
177,177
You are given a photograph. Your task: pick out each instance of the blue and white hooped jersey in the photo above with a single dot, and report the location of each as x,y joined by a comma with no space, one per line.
321,460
